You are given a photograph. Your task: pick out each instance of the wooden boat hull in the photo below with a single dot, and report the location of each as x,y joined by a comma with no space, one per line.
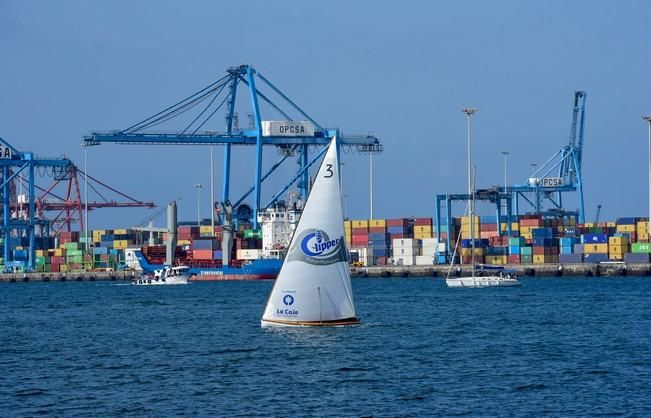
347,322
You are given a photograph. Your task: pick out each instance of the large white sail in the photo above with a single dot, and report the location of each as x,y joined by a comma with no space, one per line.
313,286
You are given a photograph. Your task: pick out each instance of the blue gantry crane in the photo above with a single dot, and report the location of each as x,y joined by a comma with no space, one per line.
292,130
560,174
13,163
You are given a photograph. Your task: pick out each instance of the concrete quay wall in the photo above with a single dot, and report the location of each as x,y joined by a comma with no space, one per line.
69,276
522,270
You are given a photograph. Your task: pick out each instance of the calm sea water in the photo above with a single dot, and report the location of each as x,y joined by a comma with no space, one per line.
552,347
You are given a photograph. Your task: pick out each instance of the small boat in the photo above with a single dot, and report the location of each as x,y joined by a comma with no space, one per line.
485,278
477,278
165,276
313,287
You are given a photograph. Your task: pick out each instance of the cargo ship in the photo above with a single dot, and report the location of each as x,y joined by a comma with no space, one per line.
256,255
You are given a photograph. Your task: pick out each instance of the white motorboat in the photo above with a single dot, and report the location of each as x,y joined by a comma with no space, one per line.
165,276
313,287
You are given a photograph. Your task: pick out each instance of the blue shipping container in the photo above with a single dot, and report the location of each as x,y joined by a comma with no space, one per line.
378,236
567,250
594,258
202,244
637,258
570,258
541,233
594,239
479,243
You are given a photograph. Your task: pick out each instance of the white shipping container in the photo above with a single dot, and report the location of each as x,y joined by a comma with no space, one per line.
405,251
362,252
424,260
404,261
248,254
406,242
429,242
440,247
429,251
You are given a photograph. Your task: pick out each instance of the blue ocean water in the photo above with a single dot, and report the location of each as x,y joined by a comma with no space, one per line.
561,347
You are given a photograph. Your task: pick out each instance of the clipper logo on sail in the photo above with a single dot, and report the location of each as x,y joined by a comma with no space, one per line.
317,244
316,247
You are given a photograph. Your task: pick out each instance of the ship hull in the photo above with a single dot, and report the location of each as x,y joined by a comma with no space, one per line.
266,269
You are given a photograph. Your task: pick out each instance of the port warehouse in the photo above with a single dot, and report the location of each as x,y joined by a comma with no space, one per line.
377,242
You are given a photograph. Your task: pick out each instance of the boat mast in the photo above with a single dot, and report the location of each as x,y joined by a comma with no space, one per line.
469,111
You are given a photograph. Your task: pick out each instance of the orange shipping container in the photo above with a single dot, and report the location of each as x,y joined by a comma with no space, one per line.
202,254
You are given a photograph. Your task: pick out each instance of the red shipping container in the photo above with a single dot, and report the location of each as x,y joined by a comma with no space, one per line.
202,254
514,259
377,230
360,240
488,227
359,231
530,222
467,259
398,222
422,221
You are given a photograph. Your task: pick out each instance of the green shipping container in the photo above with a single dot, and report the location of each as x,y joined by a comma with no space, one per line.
526,259
519,241
641,247
252,233
526,251
71,245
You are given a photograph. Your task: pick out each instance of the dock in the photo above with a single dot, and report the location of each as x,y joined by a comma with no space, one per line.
522,270
89,276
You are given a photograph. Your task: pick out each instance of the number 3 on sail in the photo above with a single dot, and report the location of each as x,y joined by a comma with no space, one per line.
313,287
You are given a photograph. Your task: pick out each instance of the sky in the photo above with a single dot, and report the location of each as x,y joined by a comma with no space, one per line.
399,70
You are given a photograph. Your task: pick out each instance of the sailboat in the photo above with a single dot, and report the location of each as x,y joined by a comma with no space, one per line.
475,280
489,277
313,287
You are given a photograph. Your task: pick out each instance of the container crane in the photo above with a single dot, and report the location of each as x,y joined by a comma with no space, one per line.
292,132
24,215
560,174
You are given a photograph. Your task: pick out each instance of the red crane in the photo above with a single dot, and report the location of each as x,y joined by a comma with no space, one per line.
68,206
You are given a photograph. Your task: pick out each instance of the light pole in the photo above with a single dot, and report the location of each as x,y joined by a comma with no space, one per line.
506,185
212,191
86,198
198,186
648,119
469,111
370,177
